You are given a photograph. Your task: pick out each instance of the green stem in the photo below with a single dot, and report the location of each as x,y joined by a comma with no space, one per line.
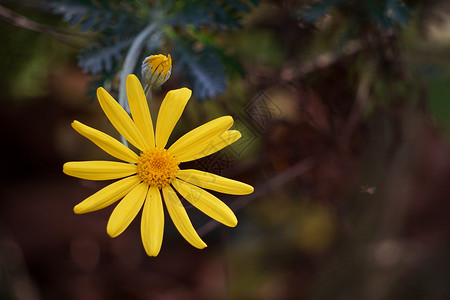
148,93
130,63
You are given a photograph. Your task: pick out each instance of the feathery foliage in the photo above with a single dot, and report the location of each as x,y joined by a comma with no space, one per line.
203,67
384,13
121,22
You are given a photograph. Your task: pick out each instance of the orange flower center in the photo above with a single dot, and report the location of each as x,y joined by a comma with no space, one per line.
157,167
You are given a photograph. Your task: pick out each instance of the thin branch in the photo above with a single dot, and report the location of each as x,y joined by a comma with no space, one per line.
324,60
262,189
20,21
357,111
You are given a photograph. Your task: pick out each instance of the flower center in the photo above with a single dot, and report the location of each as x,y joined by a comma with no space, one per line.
160,63
157,167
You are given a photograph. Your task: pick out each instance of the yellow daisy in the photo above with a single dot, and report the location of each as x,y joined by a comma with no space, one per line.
156,170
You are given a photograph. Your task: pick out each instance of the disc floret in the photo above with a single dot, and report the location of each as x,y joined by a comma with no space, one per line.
157,167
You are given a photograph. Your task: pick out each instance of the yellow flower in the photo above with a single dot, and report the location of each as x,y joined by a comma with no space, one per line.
156,169
156,69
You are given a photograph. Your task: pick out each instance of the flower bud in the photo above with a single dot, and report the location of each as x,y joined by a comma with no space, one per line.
156,69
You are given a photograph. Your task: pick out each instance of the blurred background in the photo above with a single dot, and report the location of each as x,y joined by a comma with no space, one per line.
344,107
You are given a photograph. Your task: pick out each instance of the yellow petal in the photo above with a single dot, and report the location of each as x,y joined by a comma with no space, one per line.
152,222
206,202
202,135
207,147
107,195
215,182
139,110
106,143
98,169
126,210
120,119
169,113
180,218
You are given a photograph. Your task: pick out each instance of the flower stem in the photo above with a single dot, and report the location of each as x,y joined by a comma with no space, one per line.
148,93
130,64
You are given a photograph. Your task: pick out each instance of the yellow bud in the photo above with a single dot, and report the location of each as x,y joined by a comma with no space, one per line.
156,69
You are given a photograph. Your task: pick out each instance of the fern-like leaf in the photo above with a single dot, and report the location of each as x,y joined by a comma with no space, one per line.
203,69
97,59
317,10
397,12
196,16
218,15
86,14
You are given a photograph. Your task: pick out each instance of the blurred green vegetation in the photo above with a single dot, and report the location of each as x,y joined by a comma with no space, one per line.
26,57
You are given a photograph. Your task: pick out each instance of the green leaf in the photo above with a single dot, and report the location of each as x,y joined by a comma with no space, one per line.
196,16
97,59
398,12
90,16
316,10
203,69
217,15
